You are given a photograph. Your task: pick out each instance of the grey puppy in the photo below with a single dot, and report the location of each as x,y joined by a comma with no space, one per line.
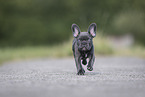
83,47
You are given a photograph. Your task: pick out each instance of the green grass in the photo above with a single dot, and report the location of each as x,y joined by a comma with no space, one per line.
102,47
8,54
136,50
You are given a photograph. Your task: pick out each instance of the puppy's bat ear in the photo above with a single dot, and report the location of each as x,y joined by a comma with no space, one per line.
92,29
76,30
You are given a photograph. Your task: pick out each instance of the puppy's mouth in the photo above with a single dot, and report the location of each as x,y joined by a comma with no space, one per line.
84,49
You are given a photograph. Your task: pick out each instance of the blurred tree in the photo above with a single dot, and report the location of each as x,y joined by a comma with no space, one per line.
46,22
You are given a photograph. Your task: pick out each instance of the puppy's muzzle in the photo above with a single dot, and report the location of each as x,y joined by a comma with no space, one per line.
84,45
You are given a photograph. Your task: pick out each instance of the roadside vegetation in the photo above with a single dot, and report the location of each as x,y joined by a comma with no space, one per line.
102,48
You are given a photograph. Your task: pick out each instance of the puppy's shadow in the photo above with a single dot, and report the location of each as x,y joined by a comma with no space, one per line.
92,73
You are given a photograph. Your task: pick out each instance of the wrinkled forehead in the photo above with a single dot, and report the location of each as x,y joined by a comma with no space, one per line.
84,35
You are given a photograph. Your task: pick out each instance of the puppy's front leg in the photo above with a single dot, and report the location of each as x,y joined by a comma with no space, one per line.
80,70
91,62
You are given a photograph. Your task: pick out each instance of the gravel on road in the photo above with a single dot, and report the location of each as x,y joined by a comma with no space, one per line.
111,77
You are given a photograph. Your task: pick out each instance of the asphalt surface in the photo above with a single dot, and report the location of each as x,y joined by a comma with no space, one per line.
111,77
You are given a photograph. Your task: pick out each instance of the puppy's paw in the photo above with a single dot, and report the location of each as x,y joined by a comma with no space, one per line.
90,68
81,72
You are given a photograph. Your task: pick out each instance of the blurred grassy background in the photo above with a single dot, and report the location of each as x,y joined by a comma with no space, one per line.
41,28
101,44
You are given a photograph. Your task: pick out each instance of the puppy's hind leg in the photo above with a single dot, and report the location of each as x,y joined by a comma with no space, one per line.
84,61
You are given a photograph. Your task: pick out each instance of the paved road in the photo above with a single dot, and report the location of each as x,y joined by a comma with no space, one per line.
112,77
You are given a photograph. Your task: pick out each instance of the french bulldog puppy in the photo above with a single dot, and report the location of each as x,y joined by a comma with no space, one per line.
83,47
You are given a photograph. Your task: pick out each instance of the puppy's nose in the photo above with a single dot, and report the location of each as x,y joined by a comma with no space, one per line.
84,43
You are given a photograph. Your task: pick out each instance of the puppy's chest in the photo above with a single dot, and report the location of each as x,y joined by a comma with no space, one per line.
84,55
